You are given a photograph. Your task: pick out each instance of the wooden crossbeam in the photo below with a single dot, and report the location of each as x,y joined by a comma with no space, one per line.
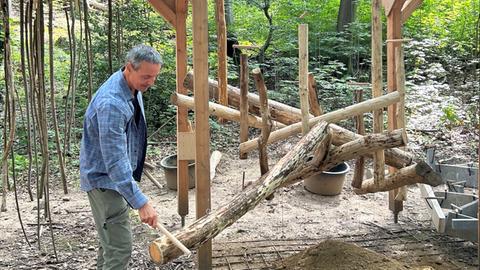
165,10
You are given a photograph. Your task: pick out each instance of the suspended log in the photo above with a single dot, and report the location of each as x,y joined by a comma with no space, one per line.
219,110
417,173
335,116
315,107
360,161
278,111
163,250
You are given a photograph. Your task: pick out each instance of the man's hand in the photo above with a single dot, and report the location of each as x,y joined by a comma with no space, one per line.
148,215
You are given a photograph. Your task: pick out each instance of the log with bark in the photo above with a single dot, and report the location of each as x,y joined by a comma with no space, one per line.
317,140
278,111
417,173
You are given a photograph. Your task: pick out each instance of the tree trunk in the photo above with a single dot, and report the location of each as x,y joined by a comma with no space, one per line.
417,173
163,250
346,14
278,111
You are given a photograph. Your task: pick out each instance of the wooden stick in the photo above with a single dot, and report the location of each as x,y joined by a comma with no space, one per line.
221,53
151,178
335,116
417,173
220,111
266,122
204,229
360,161
303,74
315,107
377,86
243,101
174,240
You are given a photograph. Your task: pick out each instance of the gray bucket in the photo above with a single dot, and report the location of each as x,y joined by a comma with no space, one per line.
169,165
328,183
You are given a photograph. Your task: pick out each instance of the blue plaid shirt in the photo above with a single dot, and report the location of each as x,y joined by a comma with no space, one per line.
112,142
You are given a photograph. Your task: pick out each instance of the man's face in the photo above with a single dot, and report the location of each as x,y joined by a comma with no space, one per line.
144,77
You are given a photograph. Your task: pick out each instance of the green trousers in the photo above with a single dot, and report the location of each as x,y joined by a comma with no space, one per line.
110,212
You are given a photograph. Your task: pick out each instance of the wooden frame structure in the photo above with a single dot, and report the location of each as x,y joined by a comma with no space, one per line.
175,12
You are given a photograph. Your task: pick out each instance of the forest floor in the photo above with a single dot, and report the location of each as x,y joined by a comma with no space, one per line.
266,236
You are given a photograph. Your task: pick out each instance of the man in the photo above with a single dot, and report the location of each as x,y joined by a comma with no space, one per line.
113,152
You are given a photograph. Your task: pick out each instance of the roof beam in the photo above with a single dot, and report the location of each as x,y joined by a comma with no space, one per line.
408,8
387,4
163,8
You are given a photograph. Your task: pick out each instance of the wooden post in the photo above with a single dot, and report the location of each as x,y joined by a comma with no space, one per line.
315,107
182,113
360,161
266,122
377,87
202,128
394,31
401,122
243,101
222,53
303,74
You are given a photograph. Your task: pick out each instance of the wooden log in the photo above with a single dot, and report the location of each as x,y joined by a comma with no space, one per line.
220,111
163,250
417,173
152,179
360,161
279,111
243,101
363,145
400,114
221,52
315,107
331,117
303,74
377,86
266,122
393,157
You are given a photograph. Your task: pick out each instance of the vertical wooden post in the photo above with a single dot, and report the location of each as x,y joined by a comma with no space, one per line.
202,128
400,113
222,53
360,161
394,31
303,74
377,87
266,121
315,107
182,111
243,101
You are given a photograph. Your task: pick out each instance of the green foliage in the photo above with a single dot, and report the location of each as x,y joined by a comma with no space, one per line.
21,164
450,117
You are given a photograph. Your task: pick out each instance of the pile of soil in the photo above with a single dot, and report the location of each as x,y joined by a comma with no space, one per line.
332,254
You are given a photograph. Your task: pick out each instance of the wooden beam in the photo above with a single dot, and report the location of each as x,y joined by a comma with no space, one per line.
167,13
335,116
243,101
222,52
182,113
387,5
303,74
266,121
360,161
394,31
408,8
377,87
202,128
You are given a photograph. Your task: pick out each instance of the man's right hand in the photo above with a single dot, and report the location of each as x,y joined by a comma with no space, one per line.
148,215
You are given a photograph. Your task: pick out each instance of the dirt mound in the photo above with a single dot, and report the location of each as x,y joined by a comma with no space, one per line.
331,254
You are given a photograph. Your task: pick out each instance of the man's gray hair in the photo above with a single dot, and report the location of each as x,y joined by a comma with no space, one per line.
141,53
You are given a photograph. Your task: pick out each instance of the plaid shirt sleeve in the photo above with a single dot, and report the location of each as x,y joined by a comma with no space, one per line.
112,123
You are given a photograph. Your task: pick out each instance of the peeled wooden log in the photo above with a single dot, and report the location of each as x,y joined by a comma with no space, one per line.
420,172
331,117
393,157
278,111
219,110
163,250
